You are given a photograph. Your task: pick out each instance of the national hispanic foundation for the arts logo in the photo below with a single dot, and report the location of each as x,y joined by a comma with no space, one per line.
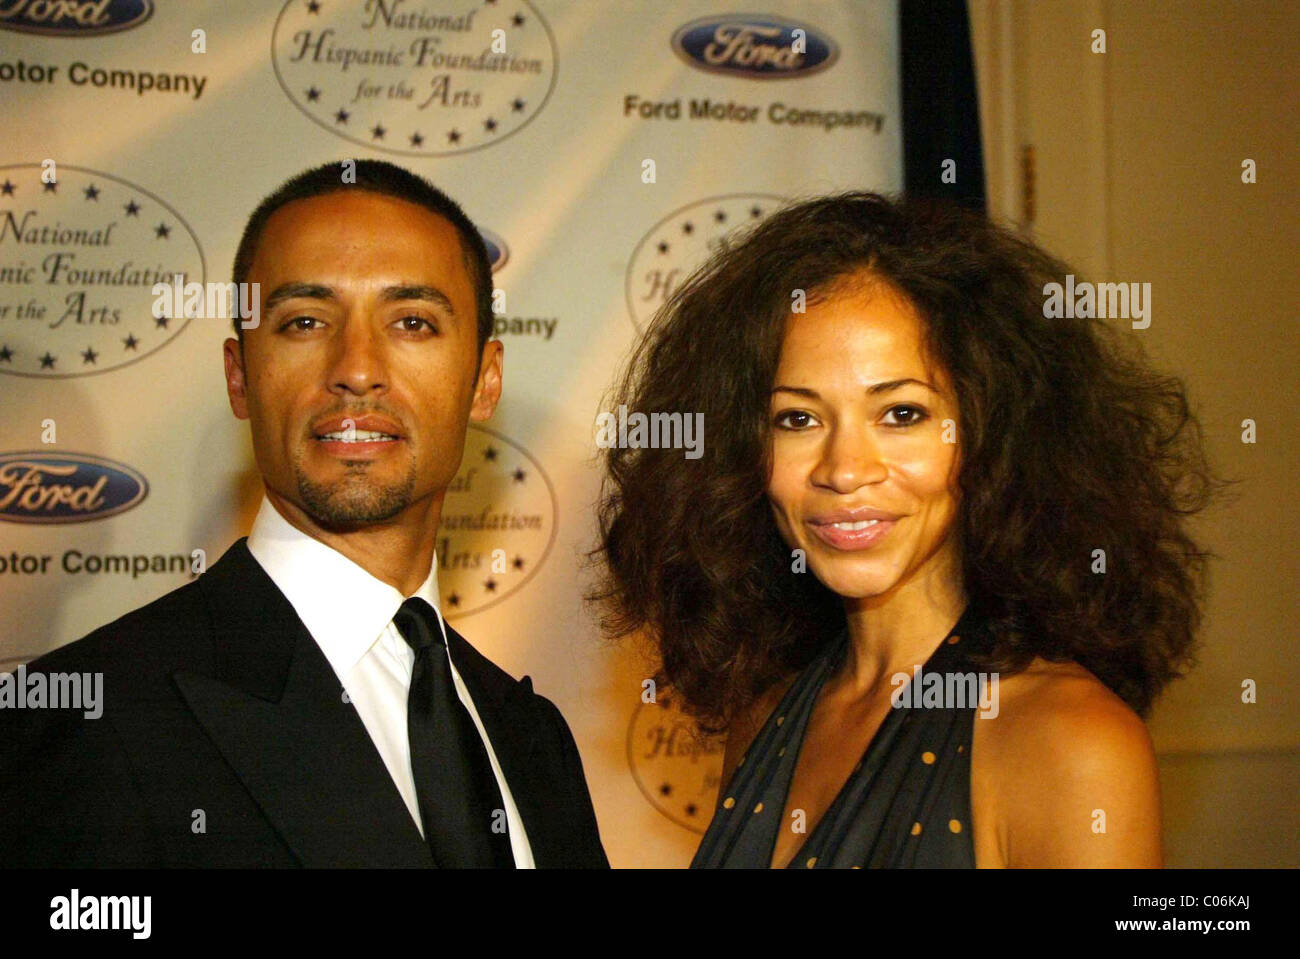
428,78
677,770
679,243
498,524
80,253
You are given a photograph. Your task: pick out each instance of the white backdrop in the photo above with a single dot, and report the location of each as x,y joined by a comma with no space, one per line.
161,152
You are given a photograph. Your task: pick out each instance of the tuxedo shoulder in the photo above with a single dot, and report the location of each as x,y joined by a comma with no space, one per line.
503,687
489,674
159,637
172,632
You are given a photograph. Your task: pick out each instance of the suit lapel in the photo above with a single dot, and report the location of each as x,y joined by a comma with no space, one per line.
274,708
505,708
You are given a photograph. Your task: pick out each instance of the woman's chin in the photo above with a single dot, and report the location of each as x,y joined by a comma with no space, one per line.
864,584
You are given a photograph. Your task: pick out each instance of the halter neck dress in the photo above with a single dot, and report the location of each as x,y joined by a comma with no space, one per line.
907,803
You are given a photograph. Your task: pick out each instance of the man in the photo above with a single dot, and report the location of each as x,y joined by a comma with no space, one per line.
303,702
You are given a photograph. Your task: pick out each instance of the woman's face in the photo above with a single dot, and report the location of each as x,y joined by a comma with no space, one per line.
863,467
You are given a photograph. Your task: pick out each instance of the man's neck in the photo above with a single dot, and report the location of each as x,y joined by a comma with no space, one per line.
398,551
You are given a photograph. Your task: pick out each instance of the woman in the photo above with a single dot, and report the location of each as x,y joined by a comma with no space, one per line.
909,469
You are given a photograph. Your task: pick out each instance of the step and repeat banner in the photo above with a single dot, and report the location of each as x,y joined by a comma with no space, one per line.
603,149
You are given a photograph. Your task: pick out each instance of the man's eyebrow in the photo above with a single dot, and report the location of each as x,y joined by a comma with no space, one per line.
419,292
294,291
391,294
874,389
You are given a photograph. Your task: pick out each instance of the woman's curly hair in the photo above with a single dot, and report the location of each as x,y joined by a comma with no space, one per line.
1069,443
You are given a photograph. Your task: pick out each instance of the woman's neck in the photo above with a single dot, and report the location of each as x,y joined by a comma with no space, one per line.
896,631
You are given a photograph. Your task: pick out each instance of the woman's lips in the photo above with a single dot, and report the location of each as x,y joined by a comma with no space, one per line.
845,537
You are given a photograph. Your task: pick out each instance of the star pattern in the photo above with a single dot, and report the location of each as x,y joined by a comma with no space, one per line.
507,573
403,136
43,356
684,239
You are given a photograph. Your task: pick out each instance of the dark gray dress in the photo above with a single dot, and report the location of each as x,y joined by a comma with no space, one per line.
907,803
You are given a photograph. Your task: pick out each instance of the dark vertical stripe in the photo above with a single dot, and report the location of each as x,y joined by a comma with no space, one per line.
940,104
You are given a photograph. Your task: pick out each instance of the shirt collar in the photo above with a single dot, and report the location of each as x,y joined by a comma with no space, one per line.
343,607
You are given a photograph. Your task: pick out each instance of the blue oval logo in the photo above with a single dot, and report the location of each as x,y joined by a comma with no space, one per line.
755,46
74,18
42,487
497,251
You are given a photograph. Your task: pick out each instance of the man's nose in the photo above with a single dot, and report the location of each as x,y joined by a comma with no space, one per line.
357,362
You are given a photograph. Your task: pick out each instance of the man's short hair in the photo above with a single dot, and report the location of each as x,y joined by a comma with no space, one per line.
386,179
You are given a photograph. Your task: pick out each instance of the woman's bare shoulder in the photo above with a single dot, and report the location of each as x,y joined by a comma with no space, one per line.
1070,770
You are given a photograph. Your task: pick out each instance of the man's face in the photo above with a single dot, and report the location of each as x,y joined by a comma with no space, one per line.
362,376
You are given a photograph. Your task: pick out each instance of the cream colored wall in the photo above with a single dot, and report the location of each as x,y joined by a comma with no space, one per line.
1138,157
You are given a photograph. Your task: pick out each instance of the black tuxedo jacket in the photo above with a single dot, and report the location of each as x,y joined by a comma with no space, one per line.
225,740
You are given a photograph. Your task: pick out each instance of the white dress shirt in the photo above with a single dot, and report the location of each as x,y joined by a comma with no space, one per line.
349,614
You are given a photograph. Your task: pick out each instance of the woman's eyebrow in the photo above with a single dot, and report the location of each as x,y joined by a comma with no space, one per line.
888,385
874,389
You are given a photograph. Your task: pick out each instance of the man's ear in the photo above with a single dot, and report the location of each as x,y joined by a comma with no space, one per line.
236,382
487,391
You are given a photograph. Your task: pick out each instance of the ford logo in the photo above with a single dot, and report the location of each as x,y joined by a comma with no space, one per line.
41,487
73,18
757,46
497,251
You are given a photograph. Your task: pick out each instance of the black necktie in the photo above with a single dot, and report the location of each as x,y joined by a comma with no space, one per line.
460,803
